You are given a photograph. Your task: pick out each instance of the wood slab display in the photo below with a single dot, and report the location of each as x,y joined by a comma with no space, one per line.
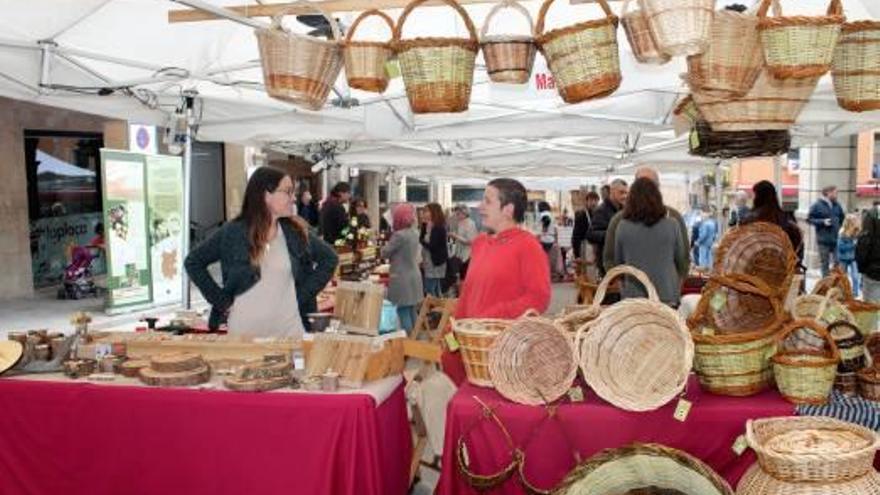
175,362
212,347
131,368
257,384
265,371
356,358
175,379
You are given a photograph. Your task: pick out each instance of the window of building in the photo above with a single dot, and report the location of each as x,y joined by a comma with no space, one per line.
417,191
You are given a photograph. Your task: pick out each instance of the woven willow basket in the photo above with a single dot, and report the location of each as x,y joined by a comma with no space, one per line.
736,303
365,60
438,73
759,249
757,482
805,376
865,313
855,68
825,310
851,345
475,336
733,58
680,27
643,468
812,449
297,68
836,279
837,284
641,40
869,383
583,57
637,354
737,144
799,47
509,58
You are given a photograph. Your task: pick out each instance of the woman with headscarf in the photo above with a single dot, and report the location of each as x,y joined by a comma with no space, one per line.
404,253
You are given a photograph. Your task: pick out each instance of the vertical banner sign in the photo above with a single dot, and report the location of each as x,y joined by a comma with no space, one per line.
165,215
125,228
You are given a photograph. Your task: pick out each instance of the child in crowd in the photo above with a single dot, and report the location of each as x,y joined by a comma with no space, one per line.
846,249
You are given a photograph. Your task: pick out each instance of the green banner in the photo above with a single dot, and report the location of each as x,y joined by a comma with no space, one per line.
165,210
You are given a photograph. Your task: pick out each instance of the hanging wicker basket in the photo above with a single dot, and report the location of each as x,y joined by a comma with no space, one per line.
365,60
637,354
680,27
509,58
438,72
855,68
733,59
799,47
641,40
583,57
297,68
475,337
737,144
759,249
805,376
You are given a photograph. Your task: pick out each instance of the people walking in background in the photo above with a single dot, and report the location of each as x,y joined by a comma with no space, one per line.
583,220
548,235
868,254
846,249
706,237
602,218
826,215
464,234
435,253
740,209
334,218
307,209
403,251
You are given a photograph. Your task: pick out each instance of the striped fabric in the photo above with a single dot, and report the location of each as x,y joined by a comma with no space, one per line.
852,409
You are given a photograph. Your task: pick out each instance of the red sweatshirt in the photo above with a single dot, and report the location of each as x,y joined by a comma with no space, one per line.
508,275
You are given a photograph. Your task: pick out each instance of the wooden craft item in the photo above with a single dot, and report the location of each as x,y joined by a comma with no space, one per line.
186,378
212,347
76,368
265,371
256,385
176,362
357,359
359,306
132,367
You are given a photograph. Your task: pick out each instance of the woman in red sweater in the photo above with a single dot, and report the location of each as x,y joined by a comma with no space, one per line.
508,274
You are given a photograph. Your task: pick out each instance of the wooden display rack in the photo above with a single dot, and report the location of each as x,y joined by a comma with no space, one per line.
446,308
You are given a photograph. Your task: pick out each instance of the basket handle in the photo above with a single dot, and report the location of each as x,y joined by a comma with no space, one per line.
498,7
812,325
542,15
469,24
364,15
619,271
530,313
276,19
834,8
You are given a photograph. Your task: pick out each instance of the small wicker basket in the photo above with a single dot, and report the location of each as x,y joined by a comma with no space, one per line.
825,310
475,336
869,383
365,60
641,40
805,376
737,144
851,345
855,68
799,47
509,58
681,27
733,59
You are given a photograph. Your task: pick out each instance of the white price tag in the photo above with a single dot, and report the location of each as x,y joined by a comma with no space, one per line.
683,409
740,445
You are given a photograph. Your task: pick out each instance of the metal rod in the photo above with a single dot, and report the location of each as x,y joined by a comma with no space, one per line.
76,52
187,205
223,13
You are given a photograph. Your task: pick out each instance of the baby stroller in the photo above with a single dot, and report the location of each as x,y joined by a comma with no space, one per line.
78,281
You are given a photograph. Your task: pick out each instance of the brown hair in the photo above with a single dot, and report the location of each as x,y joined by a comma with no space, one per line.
437,216
256,215
644,203
512,192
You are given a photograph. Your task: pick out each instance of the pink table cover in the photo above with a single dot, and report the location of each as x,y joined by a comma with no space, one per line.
708,433
80,438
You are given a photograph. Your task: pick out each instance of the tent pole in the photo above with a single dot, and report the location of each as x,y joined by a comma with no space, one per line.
719,195
187,205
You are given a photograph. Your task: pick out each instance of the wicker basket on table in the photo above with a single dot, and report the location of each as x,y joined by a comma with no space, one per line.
365,60
637,354
297,68
737,144
865,313
733,59
438,73
851,344
855,68
641,40
869,383
509,58
825,310
680,27
805,375
574,317
757,482
799,47
583,57
734,330
475,337
759,249
836,279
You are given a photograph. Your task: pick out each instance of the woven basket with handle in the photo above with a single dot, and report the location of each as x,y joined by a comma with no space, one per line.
438,72
851,345
641,40
825,310
509,58
837,284
759,249
475,336
855,67
637,354
365,60
680,27
297,68
583,57
799,47
805,376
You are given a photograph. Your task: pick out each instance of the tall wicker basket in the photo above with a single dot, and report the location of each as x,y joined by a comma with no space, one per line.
805,376
438,72
365,60
855,68
641,39
799,47
297,68
733,58
681,27
583,57
476,337
509,58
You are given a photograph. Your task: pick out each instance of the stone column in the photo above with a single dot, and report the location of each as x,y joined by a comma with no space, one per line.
370,183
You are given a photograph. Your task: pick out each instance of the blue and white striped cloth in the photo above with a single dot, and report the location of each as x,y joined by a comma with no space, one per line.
852,409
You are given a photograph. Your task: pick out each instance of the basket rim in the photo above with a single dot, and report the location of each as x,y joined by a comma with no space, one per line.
768,23
549,36
805,422
856,26
400,46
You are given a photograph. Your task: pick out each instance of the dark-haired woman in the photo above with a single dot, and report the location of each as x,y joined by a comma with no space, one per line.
272,267
435,252
649,239
766,208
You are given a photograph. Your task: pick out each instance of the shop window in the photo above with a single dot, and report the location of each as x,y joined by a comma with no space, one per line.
467,194
417,191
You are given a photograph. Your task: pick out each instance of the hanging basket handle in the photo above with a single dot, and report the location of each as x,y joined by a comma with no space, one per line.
815,327
542,15
276,19
364,15
469,24
513,4
619,271
835,8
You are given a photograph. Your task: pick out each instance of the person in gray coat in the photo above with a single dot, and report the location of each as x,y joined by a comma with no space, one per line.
404,252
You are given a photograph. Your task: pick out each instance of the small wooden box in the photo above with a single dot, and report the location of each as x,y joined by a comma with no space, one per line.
359,307
356,358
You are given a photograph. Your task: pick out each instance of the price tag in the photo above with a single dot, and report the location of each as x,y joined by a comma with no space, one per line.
451,342
392,69
576,394
683,409
695,140
740,445
718,301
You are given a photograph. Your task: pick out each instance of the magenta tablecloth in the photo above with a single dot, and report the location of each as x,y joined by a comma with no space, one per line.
588,427
80,438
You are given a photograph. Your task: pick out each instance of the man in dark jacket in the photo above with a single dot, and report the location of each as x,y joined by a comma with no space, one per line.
583,220
868,254
826,215
602,217
334,218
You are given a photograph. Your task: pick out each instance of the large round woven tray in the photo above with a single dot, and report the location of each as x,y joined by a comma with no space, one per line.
657,468
637,354
757,482
759,249
812,449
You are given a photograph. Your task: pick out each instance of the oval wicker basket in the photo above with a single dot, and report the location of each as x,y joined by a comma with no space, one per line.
297,68
533,362
737,144
757,482
583,57
733,58
637,354
866,315
641,40
805,376
799,47
855,68
438,73
650,467
475,337
365,60
812,449
736,303
851,345
759,249
509,58
681,27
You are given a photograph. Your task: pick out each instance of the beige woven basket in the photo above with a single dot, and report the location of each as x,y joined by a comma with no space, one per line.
812,449
825,310
799,47
836,279
641,40
509,58
637,354
733,58
533,362
757,482
805,376
365,60
475,337
855,68
759,249
680,27
736,303
297,68
583,57
837,284
438,73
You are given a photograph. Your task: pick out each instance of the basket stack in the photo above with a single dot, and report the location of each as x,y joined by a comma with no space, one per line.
365,60
509,58
641,40
855,68
583,57
805,375
733,59
799,47
810,455
680,27
759,249
475,337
